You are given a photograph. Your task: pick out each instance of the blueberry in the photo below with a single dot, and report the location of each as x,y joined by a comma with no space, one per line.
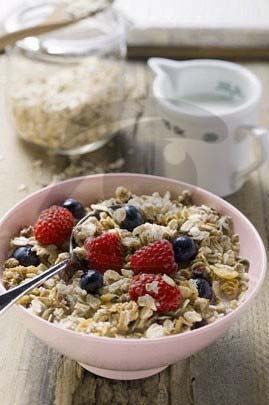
185,249
91,281
198,325
25,256
75,207
204,288
132,219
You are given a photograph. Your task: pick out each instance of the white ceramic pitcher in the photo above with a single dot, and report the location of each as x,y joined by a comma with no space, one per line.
210,147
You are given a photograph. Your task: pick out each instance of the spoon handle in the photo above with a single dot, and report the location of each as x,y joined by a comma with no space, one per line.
10,297
58,19
11,38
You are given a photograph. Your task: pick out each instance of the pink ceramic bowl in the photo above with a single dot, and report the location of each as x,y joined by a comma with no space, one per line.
135,358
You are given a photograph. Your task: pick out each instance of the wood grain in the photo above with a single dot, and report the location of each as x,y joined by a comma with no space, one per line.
233,371
242,53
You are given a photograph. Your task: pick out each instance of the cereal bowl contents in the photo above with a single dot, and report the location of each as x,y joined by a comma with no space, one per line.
102,318
146,266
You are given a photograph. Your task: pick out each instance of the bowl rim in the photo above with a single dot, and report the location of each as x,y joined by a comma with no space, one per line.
99,339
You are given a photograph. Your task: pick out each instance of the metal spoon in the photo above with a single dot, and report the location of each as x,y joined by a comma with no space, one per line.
12,296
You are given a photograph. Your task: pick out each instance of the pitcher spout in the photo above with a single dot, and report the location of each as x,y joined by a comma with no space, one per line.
164,66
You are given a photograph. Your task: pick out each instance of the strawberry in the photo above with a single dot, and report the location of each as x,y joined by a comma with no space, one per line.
54,226
167,296
105,252
158,257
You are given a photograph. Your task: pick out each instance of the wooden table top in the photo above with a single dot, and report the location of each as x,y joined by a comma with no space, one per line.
234,370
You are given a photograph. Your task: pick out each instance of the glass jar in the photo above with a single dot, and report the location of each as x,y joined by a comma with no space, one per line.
64,88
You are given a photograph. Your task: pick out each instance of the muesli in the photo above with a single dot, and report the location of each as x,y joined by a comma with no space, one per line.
146,266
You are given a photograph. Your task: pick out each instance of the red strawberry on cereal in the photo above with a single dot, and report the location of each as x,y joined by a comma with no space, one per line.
157,257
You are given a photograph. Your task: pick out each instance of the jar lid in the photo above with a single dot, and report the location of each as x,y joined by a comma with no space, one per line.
94,35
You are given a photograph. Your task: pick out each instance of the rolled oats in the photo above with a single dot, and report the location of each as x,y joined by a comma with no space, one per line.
155,331
192,317
62,112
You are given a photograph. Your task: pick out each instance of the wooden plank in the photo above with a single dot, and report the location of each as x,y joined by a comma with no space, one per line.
224,14
142,52
235,360
234,370
76,386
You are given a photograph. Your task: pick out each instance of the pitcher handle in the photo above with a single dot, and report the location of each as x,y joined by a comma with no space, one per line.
260,140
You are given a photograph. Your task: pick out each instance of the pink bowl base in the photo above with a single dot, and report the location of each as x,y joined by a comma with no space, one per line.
124,374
